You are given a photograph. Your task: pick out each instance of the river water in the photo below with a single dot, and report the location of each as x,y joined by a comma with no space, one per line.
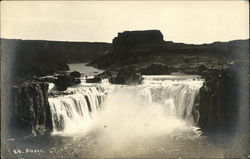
151,120
84,69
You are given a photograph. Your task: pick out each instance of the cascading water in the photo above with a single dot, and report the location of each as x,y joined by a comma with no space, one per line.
150,120
178,92
172,96
71,113
153,119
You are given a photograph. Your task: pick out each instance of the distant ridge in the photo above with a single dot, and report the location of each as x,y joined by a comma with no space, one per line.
25,58
72,51
134,47
129,47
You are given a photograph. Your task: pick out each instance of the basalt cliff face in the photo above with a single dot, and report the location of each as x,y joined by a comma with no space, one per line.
30,111
222,103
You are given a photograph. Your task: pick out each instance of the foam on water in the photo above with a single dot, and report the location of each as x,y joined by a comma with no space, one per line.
162,105
74,112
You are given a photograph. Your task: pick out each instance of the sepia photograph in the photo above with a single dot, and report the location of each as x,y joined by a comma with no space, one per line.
124,79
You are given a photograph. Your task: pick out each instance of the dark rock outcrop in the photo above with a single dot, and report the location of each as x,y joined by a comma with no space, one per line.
130,46
75,74
128,39
110,75
156,69
64,81
129,76
220,98
31,114
201,68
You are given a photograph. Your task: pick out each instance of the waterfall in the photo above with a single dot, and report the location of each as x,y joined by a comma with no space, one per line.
72,112
159,98
178,92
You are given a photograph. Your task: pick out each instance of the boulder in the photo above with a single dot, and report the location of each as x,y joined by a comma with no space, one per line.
75,74
156,69
128,75
110,75
64,81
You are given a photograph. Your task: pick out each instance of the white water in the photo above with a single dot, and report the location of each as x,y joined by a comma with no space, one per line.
154,118
161,104
75,111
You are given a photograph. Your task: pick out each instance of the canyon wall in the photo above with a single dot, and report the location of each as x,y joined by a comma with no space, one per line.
30,111
222,98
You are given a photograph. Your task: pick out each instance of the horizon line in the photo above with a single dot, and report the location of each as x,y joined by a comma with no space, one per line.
48,40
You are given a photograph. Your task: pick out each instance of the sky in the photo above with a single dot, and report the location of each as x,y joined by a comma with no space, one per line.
99,21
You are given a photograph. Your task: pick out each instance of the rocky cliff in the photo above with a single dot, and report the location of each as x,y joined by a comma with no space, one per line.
30,111
223,96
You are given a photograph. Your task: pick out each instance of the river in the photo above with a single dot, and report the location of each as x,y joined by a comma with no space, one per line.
151,120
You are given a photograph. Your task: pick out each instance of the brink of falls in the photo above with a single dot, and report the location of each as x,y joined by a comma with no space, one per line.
162,104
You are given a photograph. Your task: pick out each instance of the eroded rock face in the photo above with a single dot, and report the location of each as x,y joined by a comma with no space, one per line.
64,81
75,74
129,76
220,98
31,114
156,69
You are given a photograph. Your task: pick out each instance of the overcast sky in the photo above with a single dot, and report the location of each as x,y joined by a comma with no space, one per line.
179,21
